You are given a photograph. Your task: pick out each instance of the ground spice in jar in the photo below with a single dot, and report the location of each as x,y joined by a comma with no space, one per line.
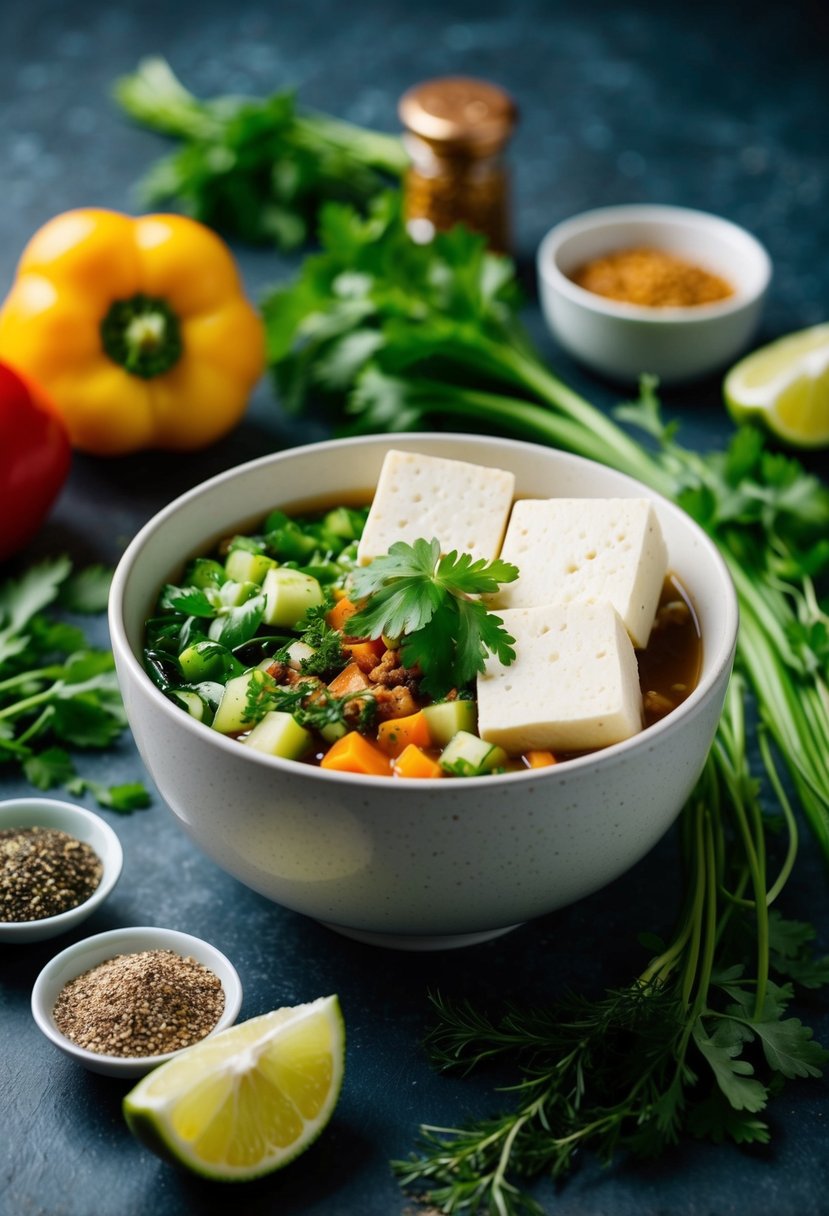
43,872
143,1004
652,278
456,131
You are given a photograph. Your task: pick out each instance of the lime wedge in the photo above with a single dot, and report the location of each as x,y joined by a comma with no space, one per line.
247,1100
785,385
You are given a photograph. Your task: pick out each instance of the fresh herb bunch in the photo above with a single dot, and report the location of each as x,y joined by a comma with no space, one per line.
431,603
399,333
55,689
696,1045
254,168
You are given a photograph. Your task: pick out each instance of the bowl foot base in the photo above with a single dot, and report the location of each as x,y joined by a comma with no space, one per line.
419,941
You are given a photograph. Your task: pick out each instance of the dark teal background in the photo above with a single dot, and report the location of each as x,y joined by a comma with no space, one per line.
721,106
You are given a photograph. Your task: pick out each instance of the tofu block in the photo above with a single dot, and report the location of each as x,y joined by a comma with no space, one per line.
574,684
581,550
466,506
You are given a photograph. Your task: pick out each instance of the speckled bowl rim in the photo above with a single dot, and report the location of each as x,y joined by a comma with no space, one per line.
687,218
28,812
721,651
90,951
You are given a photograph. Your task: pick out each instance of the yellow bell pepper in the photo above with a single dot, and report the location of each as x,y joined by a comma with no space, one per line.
138,328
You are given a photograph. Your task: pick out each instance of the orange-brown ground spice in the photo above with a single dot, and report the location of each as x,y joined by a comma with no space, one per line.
652,278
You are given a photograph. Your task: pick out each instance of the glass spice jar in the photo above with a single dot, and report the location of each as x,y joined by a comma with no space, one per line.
456,131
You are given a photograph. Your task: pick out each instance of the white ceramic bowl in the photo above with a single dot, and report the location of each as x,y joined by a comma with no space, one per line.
83,825
420,863
623,341
83,955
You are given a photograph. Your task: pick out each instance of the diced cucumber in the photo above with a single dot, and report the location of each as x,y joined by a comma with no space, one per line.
232,594
245,567
196,706
342,523
278,734
203,572
332,731
446,718
297,653
466,755
231,715
208,661
288,596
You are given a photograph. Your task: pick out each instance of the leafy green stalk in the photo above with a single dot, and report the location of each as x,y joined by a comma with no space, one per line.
396,334
695,1045
56,690
254,168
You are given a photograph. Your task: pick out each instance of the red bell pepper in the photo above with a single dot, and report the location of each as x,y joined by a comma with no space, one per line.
34,459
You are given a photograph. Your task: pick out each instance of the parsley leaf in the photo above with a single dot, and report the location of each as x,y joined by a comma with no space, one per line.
130,796
53,766
428,601
87,590
328,656
54,688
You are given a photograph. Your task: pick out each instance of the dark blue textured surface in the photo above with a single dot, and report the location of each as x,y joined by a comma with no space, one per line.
717,105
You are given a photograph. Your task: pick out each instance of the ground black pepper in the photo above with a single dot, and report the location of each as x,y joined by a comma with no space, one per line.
44,872
143,1004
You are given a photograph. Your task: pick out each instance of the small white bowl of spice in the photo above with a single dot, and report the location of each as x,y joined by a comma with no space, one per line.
58,863
122,1002
663,290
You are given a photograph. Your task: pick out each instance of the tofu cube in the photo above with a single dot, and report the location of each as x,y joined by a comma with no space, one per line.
574,684
466,506
582,550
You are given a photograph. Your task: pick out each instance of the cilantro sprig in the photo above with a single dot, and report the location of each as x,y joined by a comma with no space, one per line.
56,691
430,602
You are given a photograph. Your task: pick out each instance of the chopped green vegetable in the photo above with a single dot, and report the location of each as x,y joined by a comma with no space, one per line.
254,168
428,601
55,689
326,643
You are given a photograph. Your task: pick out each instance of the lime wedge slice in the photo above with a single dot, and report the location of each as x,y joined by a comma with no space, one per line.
785,385
247,1100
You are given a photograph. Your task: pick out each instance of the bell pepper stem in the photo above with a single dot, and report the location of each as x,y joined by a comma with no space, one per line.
142,335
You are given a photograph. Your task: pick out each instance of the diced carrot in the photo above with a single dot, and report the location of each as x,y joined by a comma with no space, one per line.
337,616
353,753
539,759
350,679
366,654
397,733
413,762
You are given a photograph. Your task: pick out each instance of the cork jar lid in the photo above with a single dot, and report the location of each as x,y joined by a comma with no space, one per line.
468,114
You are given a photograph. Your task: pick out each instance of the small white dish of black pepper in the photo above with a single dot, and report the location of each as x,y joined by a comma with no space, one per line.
123,1002
58,863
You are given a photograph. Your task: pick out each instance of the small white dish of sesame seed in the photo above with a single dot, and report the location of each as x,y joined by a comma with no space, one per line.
52,853
122,1002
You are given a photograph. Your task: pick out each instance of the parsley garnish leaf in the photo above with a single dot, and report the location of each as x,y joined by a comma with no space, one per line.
430,603
54,688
